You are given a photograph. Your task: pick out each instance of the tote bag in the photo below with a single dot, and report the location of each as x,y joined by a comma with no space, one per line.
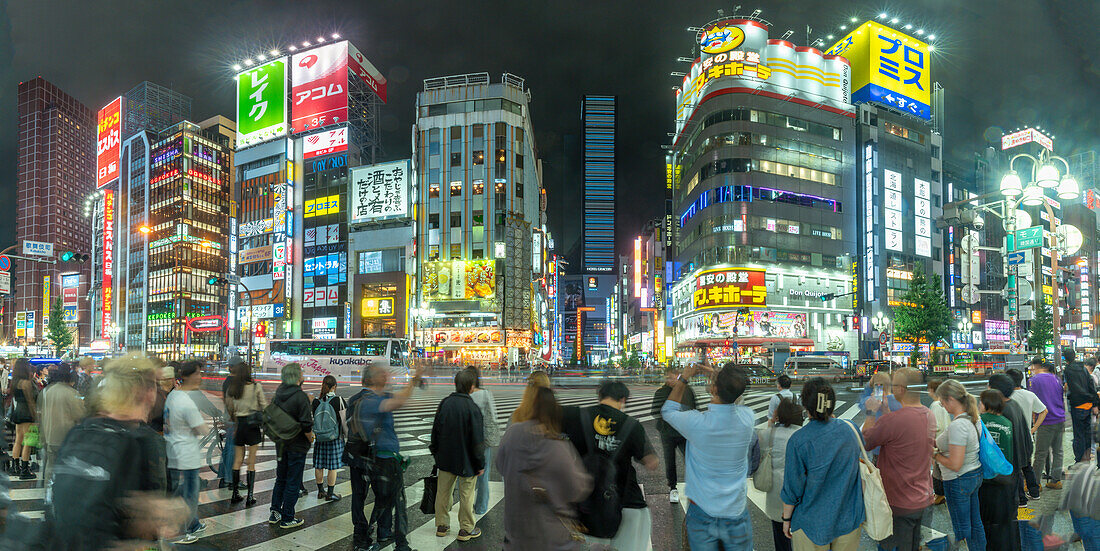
878,518
762,480
990,455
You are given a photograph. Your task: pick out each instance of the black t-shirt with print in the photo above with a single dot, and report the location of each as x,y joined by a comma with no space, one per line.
606,424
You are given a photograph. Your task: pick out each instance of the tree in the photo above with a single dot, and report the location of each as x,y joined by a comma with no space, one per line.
922,316
57,331
632,362
1041,332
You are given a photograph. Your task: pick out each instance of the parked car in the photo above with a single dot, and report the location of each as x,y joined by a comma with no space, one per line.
758,374
801,368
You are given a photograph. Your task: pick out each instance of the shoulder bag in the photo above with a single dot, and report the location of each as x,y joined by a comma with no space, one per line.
990,455
878,518
762,480
255,419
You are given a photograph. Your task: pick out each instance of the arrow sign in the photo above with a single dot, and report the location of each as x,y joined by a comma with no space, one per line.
1016,258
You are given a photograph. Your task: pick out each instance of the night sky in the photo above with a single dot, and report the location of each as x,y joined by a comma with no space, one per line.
1004,64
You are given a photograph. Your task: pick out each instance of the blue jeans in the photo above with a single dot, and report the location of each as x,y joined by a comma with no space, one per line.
288,480
225,470
481,502
1089,530
707,533
185,485
962,502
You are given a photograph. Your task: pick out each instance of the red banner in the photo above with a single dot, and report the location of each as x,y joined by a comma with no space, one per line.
108,260
320,93
366,71
108,143
730,287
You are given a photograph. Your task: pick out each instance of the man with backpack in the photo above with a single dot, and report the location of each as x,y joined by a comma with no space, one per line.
373,453
288,421
458,446
607,440
719,461
670,439
783,383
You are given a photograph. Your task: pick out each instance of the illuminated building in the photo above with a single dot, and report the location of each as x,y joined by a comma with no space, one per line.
55,172
762,177
599,123
150,106
480,229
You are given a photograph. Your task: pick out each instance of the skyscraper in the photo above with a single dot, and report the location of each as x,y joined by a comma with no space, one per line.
598,116
150,106
56,169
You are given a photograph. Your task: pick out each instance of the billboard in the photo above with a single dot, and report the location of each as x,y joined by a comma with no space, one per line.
572,291
261,103
366,72
108,261
45,301
108,143
888,67
729,287
459,279
319,96
724,325
1027,135
326,142
379,191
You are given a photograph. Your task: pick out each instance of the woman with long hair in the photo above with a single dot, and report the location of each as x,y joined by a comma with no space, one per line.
957,455
536,380
24,392
328,454
543,478
245,402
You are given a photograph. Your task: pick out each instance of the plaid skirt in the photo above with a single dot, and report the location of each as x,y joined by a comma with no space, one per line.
328,455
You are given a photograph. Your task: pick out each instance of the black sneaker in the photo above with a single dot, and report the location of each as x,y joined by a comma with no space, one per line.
275,518
291,523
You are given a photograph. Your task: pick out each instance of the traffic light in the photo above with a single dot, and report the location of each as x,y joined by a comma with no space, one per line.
215,280
827,297
70,256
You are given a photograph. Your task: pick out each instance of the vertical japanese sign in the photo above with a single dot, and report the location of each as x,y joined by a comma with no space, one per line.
888,67
922,207
45,301
894,235
379,191
869,231
279,243
20,324
108,261
319,96
261,103
108,143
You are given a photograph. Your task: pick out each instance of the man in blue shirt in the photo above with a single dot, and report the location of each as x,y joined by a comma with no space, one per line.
719,445
370,420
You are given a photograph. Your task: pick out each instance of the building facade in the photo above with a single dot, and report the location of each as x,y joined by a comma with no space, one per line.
56,172
480,227
599,124
150,106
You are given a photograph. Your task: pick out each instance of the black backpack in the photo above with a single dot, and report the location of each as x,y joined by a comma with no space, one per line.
602,511
361,442
93,473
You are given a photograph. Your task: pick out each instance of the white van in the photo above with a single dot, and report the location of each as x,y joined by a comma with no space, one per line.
802,368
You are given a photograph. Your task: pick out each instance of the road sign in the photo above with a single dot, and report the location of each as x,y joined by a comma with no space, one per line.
37,248
5,283
1016,258
5,263
883,338
1029,238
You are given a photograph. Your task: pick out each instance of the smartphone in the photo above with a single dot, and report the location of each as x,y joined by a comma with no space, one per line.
878,393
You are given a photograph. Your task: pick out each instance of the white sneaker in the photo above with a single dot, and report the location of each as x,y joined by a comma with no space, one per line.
673,496
187,539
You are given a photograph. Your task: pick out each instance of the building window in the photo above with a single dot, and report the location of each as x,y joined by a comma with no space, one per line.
433,191
433,252
456,219
519,161
479,157
456,252
519,190
478,253
456,189
478,187
478,217
456,159
433,221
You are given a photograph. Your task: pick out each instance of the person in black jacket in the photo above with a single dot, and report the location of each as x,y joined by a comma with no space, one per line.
1082,398
458,438
671,440
291,453
1022,444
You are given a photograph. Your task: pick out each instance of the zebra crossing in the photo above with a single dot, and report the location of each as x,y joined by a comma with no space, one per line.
328,524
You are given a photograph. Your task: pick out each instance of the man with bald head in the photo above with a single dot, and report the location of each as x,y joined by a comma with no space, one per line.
905,439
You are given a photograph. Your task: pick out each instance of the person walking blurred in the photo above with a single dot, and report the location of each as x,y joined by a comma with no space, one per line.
1081,498
290,453
942,420
788,419
24,415
1048,438
484,400
166,382
458,446
543,478
183,428
330,428
997,495
957,454
245,403
670,439
822,495
60,410
1083,401
905,439
719,442
83,378
537,379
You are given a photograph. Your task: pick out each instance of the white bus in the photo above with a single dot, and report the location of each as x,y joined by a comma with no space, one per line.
341,358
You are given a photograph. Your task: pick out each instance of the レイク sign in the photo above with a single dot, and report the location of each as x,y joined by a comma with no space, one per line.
731,287
261,103
108,260
108,142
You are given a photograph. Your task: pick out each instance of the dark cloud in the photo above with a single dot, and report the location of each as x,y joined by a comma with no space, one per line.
1003,63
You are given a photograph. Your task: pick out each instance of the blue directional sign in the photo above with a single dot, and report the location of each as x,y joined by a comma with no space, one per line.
1016,258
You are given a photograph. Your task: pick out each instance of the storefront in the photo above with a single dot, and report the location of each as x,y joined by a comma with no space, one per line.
379,305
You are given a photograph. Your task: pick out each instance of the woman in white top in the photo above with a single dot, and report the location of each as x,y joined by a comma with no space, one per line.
484,400
787,419
245,403
956,453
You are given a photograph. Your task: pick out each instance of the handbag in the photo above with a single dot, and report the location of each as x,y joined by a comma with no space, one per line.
878,517
30,438
255,419
990,455
762,480
431,485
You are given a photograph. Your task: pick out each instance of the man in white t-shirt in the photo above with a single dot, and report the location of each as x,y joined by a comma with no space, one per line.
1035,411
183,428
783,383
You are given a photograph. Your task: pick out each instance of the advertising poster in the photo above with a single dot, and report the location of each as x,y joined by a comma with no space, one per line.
379,191
459,280
888,67
366,71
108,142
261,103
325,143
320,93
572,294
725,325
729,287
108,262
